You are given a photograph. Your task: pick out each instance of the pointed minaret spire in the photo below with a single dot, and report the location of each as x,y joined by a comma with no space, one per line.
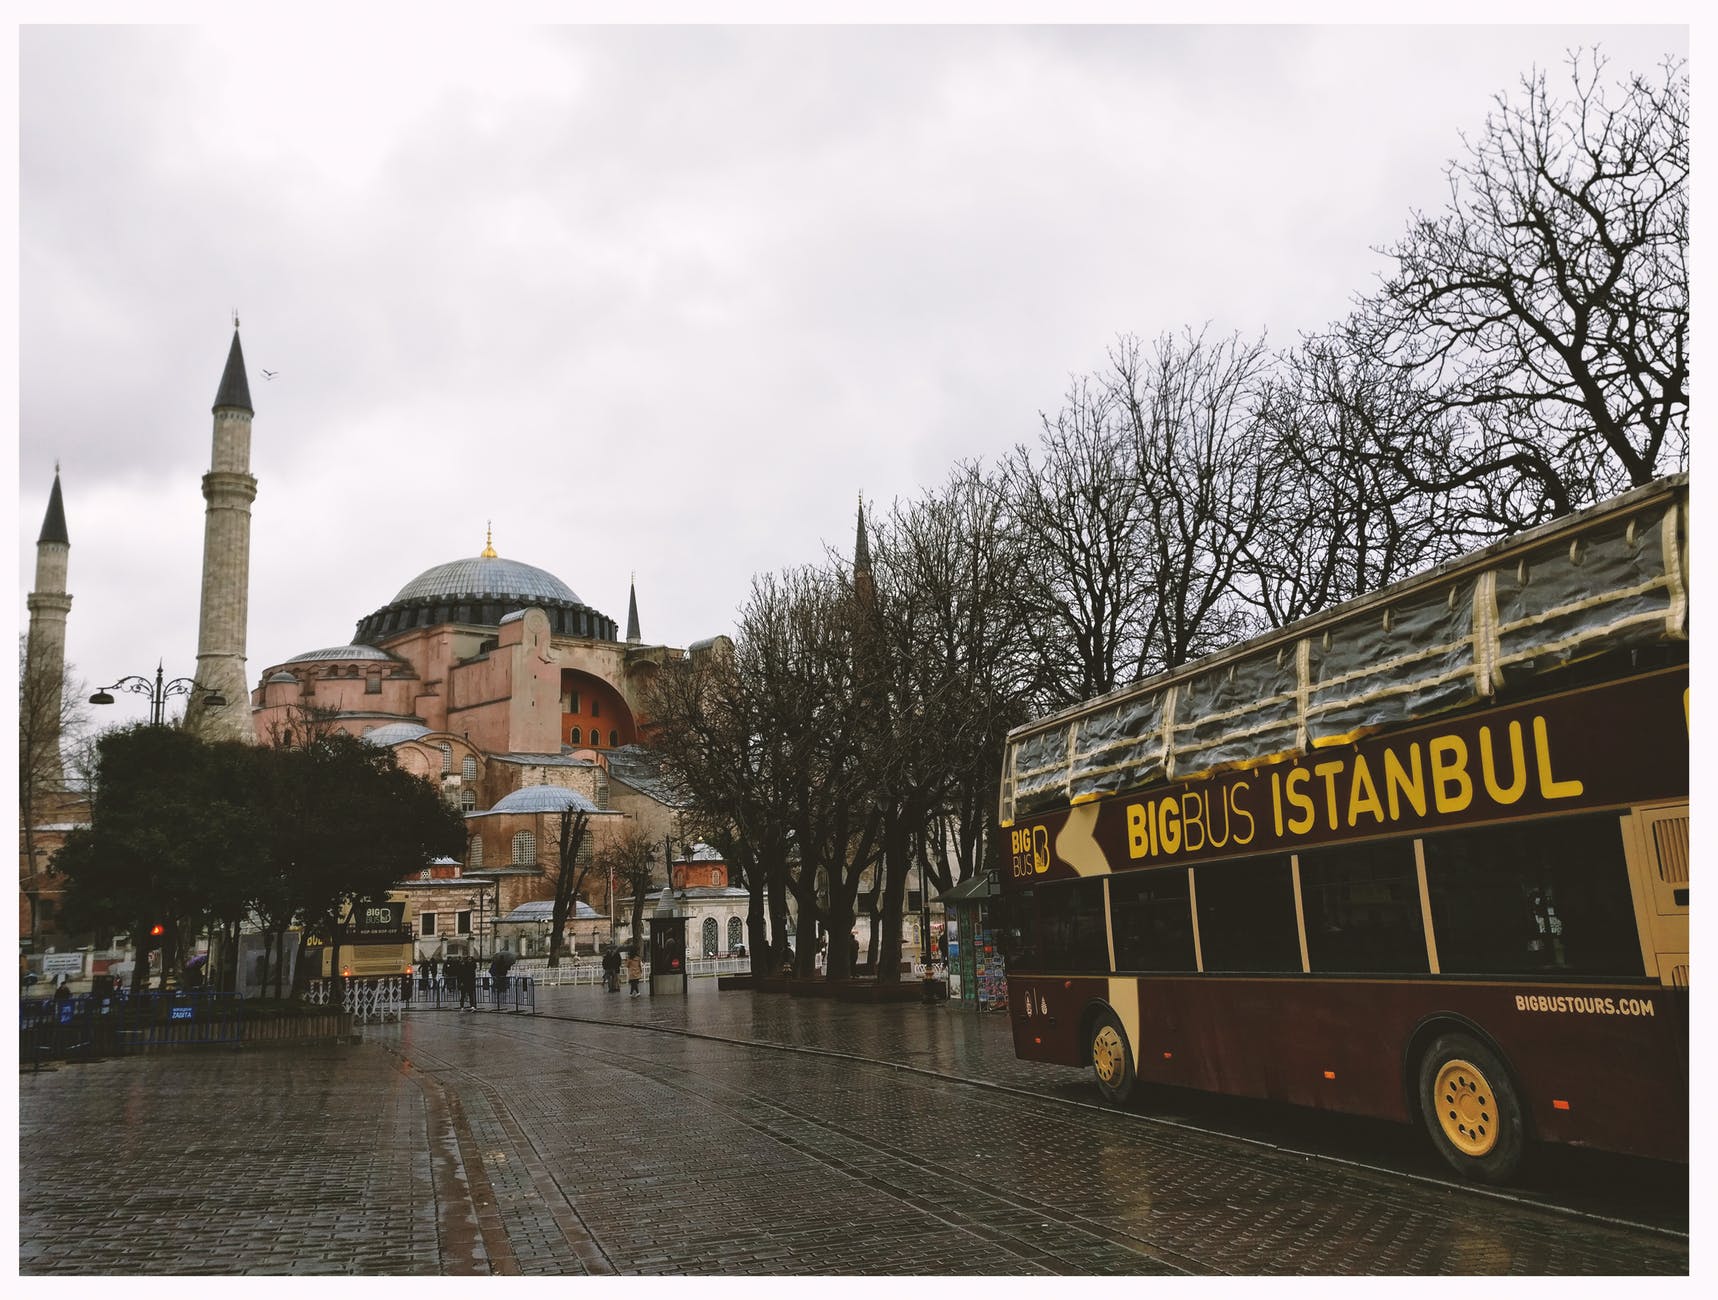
861,544
219,707
632,637
488,552
54,522
235,390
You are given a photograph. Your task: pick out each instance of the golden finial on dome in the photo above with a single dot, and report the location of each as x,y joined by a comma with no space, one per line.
489,540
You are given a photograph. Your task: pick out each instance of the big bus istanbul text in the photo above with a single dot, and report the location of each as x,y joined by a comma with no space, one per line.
1528,760
1443,775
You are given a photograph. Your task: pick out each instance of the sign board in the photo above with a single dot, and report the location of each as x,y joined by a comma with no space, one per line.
180,1013
62,963
377,919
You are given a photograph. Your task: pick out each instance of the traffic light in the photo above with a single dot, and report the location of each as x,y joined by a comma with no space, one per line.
157,930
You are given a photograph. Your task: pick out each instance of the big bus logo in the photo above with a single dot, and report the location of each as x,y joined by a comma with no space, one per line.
1030,846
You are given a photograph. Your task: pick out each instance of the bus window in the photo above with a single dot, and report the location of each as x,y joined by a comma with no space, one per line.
1246,915
1054,928
1362,909
1544,896
1151,917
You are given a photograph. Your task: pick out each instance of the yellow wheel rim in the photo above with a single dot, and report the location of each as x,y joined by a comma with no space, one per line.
1467,1110
1109,1057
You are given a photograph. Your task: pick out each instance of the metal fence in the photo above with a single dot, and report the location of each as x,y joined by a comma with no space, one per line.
381,1001
87,1026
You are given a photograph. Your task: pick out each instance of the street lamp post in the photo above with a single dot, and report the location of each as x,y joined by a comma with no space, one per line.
159,692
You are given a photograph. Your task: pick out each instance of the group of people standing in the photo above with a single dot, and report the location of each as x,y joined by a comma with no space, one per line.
613,960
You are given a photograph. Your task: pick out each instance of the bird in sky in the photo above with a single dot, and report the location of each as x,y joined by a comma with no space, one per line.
270,374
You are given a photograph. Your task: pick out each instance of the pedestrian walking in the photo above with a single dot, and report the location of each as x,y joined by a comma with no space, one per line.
634,970
468,984
611,970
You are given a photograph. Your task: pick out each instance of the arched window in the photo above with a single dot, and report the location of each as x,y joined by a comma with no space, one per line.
524,847
446,758
613,738
468,801
474,852
596,738
573,737
468,769
736,933
710,936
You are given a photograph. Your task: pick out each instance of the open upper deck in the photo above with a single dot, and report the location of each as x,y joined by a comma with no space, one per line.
1608,579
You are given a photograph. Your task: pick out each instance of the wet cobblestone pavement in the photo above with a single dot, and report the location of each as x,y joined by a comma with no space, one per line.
578,1142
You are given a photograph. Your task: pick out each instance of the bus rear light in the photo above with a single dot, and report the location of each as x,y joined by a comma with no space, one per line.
1169,1056
1330,1074
1559,1105
1067,984
1038,1042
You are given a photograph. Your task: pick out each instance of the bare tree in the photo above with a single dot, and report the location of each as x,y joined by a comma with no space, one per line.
1078,510
1198,452
1547,305
626,858
52,737
572,865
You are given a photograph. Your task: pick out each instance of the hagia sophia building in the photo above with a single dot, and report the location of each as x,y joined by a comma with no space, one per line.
488,676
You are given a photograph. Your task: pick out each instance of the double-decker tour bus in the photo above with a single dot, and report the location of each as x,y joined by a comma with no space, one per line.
1423,856
375,941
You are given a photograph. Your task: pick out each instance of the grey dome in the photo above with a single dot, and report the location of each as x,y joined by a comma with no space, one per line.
488,576
393,733
483,591
544,799
340,652
282,679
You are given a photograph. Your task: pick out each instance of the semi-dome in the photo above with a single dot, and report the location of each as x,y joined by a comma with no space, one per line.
483,591
543,799
340,652
394,733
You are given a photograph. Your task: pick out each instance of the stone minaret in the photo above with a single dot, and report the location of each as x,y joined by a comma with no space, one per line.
632,637
229,489
45,650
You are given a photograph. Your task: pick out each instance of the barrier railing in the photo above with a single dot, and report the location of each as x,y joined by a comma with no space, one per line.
87,1026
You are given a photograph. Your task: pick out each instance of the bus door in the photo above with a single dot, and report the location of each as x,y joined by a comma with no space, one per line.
1660,869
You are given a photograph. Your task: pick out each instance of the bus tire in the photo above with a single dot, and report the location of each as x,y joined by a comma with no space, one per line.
1470,1109
1112,1058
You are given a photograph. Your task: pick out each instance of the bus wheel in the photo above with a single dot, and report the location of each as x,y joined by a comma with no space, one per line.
1112,1059
1471,1110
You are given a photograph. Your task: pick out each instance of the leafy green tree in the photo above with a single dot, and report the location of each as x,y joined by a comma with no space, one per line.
172,835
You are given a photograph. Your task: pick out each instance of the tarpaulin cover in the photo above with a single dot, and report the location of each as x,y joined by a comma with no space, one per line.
1613,578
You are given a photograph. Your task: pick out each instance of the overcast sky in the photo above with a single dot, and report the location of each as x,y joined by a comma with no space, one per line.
661,300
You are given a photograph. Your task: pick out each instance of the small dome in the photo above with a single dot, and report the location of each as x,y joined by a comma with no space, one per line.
282,679
393,733
487,576
341,652
544,799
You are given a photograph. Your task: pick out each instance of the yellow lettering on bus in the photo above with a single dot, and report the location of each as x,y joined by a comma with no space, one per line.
1549,786
1193,815
1137,845
1398,782
1329,770
1452,787
1169,824
1362,794
1301,800
1236,810
1503,794
1277,802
